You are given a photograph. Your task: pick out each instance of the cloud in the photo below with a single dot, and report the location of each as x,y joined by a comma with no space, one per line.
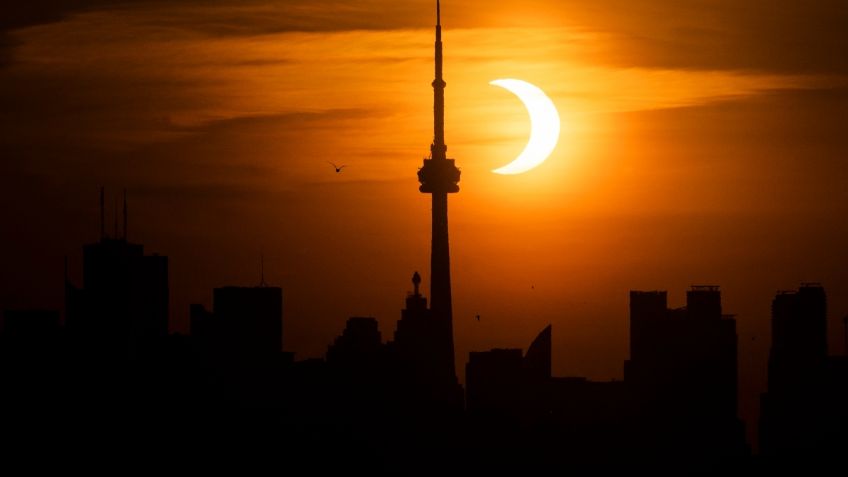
214,17
779,36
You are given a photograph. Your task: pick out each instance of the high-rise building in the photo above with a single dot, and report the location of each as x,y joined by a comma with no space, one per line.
799,336
502,382
359,347
496,383
683,370
413,343
245,323
123,301
516,404
793,414
537,361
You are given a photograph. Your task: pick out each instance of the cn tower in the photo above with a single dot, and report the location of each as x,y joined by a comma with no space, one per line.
440,177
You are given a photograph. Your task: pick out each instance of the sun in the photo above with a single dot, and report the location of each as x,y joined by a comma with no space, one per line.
544,125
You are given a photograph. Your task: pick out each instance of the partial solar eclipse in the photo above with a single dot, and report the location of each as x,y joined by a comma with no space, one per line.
544,126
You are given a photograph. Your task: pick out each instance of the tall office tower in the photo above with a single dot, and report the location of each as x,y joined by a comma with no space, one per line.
792,413
683,372
123,302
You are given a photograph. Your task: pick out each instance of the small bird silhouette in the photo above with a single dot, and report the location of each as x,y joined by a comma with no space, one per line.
478,317
337,168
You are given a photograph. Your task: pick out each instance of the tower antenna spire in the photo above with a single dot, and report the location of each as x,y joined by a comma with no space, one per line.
438,149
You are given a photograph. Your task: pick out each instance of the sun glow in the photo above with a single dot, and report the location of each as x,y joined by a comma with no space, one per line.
544,126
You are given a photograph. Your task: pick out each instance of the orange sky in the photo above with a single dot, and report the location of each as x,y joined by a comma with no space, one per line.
702,142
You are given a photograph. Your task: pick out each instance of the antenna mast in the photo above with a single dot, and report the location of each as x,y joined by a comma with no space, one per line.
438,148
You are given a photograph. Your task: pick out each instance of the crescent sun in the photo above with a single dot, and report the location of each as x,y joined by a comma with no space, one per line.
544,125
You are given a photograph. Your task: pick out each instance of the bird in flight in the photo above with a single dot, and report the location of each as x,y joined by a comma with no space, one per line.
337,168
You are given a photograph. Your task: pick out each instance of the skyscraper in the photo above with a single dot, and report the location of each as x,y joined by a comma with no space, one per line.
794,415
439,177
682,372
246,323
123,302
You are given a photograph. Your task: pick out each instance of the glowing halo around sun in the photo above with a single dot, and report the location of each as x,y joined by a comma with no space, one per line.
544,126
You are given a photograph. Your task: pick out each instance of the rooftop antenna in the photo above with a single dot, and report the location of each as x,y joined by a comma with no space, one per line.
102,213
125,214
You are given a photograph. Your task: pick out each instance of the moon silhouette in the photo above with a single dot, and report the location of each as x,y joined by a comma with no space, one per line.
544,126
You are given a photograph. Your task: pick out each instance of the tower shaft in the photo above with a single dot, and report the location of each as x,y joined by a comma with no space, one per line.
440,281
439,177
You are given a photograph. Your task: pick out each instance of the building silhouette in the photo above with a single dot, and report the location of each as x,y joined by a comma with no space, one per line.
495,384
439,177
418,351
360,346
245,324
803,410
123,301
114,372
31,326
679,396
505,383
682,372
516,406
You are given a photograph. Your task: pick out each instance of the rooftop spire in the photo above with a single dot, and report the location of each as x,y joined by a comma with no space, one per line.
416,281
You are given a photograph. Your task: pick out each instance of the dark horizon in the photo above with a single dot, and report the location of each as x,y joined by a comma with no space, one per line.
680,389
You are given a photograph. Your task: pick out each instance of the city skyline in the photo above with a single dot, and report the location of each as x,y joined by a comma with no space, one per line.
679,392
673,169
583,199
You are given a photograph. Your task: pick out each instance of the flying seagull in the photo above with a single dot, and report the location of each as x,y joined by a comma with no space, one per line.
337,168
